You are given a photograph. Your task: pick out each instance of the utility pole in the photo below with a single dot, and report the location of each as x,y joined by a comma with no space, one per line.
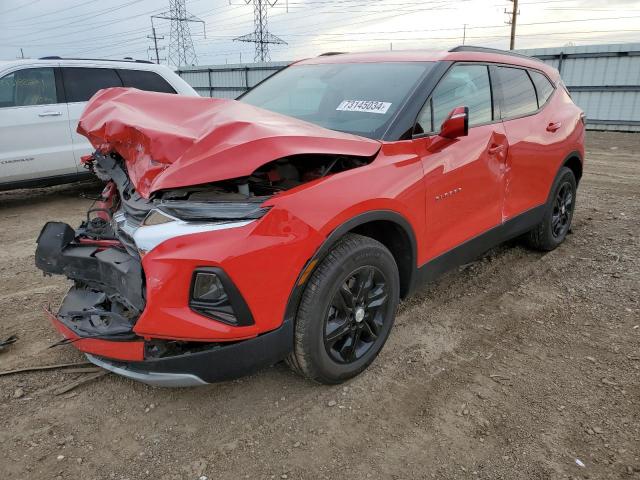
261,36
155,39
512,21
21,53
181,51
464,33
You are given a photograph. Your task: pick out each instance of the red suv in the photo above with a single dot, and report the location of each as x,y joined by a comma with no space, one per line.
231,235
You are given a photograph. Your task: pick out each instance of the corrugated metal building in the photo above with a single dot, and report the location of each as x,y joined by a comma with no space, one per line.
604,80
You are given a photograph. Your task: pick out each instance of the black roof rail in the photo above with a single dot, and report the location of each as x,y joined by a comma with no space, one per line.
329,54
126,59
472,48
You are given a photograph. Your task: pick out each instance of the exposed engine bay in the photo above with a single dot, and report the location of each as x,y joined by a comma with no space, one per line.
122,208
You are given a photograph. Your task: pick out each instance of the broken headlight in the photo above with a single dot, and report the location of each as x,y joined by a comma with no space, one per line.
175,218
212,211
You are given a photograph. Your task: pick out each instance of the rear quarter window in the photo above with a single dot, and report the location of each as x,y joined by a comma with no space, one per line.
518,95
145,80
544,87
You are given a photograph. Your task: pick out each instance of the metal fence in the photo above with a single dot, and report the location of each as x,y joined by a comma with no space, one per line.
228,81
604,80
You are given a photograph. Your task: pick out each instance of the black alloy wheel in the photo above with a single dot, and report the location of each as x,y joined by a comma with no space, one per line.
356,315
562,211
559,210
346,311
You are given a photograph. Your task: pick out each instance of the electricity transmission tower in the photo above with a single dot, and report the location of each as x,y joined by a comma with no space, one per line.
261,36
181,51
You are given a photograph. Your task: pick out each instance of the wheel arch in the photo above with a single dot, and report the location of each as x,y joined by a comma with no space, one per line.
388,227
573,161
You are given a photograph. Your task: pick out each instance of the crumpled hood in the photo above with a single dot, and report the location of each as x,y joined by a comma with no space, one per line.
171,141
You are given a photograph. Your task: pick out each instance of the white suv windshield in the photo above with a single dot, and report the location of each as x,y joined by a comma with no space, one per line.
359,98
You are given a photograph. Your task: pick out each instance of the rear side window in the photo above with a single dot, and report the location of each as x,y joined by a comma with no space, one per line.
544,88
463,86
31,86
81,84
145,80
518,94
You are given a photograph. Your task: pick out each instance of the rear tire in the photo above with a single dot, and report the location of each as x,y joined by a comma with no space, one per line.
555,225
346,311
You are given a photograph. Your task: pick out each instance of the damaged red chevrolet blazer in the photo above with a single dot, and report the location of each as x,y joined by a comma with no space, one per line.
288,224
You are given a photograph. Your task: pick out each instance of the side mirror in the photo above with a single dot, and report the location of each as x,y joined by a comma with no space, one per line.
457,123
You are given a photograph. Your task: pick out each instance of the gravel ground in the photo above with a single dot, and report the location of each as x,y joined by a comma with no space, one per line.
518,366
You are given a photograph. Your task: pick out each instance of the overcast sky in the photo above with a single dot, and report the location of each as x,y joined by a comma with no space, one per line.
119,28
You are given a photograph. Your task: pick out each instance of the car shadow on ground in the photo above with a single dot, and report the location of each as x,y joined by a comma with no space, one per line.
89,189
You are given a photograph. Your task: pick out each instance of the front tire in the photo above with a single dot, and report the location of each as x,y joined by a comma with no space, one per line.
346,311
555,226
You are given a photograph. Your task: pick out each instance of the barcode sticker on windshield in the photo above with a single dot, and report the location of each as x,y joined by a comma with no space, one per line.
368,106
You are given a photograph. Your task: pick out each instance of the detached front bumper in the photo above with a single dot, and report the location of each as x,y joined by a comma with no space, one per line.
100,314
215,363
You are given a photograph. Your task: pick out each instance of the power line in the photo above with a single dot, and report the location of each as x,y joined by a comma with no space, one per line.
29,19
91,27
410,39
18,7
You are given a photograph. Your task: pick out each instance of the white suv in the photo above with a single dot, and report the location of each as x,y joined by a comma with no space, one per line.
41,102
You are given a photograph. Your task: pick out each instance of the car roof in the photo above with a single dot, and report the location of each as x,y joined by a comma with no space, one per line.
463,55
47,61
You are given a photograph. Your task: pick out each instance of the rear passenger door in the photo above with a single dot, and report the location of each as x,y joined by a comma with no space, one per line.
533,131
80,84
35,141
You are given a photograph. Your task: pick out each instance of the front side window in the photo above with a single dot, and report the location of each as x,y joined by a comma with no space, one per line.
544,87
358,98
462,86
31,86
81,84
145,80
518,94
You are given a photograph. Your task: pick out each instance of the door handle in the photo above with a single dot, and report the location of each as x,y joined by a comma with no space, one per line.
493,149
49,114
554,127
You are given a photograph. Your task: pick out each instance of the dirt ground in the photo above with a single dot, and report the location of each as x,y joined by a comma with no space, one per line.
517,366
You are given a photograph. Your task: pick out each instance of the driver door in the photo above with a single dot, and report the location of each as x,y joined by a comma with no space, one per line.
464,176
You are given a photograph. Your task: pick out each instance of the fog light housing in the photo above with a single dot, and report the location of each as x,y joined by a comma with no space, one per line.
214,295
207,287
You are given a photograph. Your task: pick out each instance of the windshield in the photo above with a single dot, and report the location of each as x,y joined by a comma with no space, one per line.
358,98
